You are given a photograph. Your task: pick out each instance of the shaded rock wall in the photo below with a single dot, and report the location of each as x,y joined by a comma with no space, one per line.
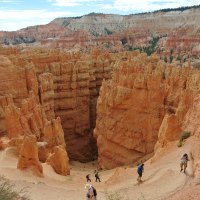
76,83
46,94
145,101
68,87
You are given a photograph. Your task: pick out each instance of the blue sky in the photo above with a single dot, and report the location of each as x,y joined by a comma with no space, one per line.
17,14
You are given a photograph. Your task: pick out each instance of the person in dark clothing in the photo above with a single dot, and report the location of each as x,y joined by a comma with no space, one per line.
140,170
88,178
96,174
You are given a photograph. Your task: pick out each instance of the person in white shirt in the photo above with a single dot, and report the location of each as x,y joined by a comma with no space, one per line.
183,164
91,193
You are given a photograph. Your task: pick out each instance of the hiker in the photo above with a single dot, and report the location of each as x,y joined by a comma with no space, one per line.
88,178
91,193
140,170
96,174
183,164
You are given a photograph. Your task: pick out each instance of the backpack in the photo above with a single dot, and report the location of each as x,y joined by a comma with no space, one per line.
94,191
96,174
140,169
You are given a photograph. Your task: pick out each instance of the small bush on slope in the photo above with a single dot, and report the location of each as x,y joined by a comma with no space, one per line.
119,196
115,196
184,136
7,191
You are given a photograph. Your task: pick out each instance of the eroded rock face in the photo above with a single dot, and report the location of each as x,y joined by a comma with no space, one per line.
190,123
180,45
59,160
68,87
145,101
13,85
23,119
57,84
46,94
28,155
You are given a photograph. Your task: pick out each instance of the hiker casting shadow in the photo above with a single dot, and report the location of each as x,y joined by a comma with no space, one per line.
88,178
183,163
140,170
96,174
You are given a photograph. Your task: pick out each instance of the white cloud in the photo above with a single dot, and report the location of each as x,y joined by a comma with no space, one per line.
32,14
147,5
69,3
6,1
14,25
11,20
106,6
9,1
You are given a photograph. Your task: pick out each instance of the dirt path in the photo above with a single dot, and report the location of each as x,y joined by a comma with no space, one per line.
162,178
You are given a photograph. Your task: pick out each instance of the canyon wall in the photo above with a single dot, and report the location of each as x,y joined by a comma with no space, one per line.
144,104
23,122
140,109
76,83
68,86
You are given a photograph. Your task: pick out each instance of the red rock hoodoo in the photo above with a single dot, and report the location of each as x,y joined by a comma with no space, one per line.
23,119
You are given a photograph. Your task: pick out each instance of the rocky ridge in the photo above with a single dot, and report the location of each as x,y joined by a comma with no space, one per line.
177,30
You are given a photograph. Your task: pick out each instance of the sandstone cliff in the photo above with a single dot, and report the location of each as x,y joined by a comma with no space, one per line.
23,119
67,85
145,101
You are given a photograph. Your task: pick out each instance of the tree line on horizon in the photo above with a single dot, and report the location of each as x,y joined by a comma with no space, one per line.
183,8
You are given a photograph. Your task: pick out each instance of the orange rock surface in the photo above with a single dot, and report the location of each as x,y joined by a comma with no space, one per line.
69,85
28,155
23,118
145,102
59,161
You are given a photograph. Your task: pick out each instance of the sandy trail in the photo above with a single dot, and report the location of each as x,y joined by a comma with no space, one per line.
162,178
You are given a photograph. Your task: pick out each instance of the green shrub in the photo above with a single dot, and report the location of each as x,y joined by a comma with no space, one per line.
108,32
7,191
119,196
115,196
185,135
180,143
191,156
142,197
171,58
139,162
165,59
